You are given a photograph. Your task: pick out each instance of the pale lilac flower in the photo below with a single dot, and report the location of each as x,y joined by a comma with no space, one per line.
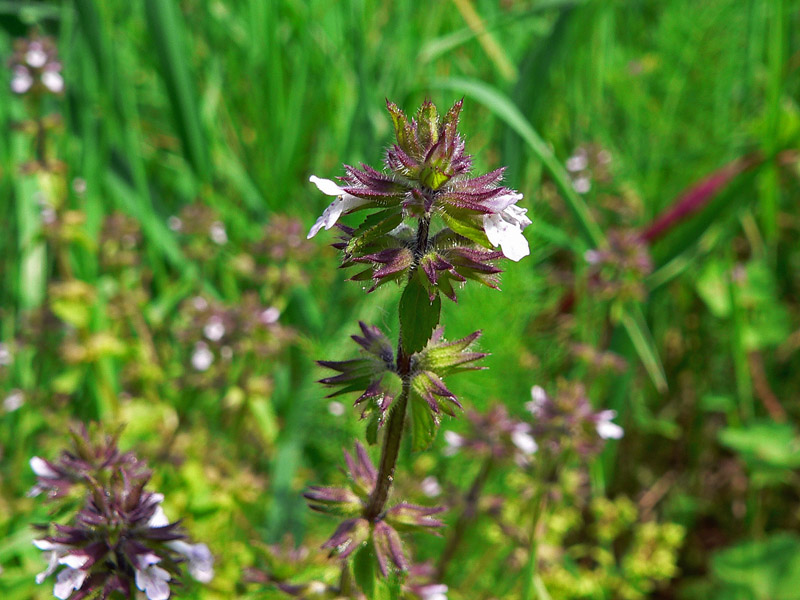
577,162
454,441
199,302
582,184
199,558
504,229
68,581
270,315
430,487
152,579
343,203
605,428
56,551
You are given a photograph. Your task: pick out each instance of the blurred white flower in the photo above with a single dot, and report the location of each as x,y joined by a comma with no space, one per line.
22,80
218,234
53,81
343,203
5,355
202,357
577,162
582,184
336,408
199,558
453,441
430,487
35,56
214,328
270,315
524,441
538,400
605,428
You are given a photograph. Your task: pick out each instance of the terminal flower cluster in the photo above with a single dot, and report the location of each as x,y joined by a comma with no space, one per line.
427,174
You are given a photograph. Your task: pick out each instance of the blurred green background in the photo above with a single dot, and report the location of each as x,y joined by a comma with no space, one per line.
168,185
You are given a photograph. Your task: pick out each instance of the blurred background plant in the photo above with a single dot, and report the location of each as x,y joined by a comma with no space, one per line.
153,190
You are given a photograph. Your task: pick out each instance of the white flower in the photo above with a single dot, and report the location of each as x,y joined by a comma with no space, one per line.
538,400
5,355
430,487
269,315
68,579
336,408
524,441
605,428
218,234
435,591
582,184
202,357
22,80
57,551
199,557
343,203
151,579
577,162
454,442
214,328
53,81
504,229
36,56
42,469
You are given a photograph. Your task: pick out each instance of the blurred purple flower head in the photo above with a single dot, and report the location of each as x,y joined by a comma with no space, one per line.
567,420
121,537
35,66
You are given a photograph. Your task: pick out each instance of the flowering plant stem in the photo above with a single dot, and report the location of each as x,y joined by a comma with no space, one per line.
397,415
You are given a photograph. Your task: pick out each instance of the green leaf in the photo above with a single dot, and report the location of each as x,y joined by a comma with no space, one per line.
469,231
423,423
418,316
427,124
769,569
374,226
364,570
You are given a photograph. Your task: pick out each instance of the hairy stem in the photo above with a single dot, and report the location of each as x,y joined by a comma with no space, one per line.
397,414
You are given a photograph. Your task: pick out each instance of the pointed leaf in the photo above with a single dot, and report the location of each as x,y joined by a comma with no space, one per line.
418,316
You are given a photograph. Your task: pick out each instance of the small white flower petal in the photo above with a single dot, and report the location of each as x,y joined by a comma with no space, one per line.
153,582
201,561
68,580
525,442
342,204
202,357
35,56
53,81
42,469
74,561
159,519
605,428
214,329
